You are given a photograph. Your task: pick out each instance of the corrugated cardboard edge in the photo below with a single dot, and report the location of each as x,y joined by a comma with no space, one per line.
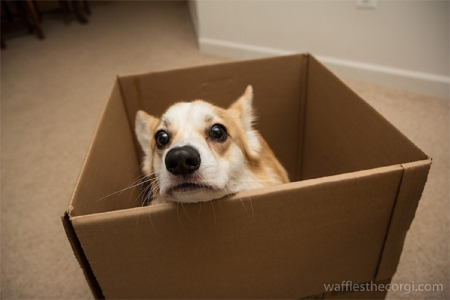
302,115
81,257
410,191
67,223
138,150
89,150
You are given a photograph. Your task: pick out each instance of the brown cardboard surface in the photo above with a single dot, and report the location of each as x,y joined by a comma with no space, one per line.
111,164
346,220
81,257
413,183
285,243
345,134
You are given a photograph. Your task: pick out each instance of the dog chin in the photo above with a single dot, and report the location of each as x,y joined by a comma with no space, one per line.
201,194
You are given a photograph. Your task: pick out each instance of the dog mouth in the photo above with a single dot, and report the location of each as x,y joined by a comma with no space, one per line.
188,187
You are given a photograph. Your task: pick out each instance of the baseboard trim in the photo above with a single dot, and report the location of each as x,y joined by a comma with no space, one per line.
421,82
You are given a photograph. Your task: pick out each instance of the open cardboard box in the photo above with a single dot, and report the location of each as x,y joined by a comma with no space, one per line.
356,183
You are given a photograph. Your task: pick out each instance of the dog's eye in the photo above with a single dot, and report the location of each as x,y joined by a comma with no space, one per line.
218,132
162,138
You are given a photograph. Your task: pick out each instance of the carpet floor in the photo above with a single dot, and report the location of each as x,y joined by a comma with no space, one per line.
52,94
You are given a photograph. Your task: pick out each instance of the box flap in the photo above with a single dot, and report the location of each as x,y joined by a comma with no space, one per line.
81,257
258,244
111,164
410,191
345,134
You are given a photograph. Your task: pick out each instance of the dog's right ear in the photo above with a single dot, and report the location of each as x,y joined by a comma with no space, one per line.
145,127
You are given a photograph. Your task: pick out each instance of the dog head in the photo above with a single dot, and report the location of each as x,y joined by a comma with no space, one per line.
199,152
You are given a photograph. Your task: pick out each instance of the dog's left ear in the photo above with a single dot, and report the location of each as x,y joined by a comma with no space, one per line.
243,107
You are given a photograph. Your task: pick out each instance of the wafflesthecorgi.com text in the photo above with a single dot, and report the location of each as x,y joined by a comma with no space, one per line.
349,286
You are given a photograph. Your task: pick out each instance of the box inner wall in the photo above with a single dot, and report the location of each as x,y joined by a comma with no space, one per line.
277,86
315,125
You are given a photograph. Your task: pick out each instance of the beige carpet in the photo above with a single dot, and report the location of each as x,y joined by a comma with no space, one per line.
52,93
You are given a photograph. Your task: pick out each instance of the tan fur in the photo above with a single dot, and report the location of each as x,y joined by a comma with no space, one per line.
272,171
265,166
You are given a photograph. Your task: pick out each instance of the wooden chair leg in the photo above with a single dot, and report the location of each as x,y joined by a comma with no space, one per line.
87,8
37,10
81,18
24,15
36,24
5,9
3,43
64,5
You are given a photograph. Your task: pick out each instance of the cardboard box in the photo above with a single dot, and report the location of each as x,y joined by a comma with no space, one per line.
356,183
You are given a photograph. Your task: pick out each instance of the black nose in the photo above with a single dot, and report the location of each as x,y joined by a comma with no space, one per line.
182,160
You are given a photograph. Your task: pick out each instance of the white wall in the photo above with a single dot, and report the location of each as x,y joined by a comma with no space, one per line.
399,43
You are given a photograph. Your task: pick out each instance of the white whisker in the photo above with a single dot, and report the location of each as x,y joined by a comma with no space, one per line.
151,223
199,211
144,191
184,210
251,204
179,219
214,211
139,183
220,204
240,199
121,191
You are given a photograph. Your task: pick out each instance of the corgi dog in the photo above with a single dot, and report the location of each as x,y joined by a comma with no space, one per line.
199,152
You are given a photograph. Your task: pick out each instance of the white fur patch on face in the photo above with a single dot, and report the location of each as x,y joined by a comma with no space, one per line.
188,124
213,152
186,118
